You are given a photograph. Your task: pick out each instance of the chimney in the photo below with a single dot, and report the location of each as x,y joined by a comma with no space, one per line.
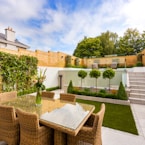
10,34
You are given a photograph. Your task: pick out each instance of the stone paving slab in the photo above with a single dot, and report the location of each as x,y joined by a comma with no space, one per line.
115,137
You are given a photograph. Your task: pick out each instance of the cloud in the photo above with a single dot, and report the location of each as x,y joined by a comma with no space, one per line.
133,11
58,25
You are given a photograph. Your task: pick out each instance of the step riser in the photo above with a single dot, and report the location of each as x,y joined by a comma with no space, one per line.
137,102
137,82
137,79
137,96
137,87
138,91
136,75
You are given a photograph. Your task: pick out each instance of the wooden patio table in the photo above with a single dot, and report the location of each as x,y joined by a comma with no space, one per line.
64,117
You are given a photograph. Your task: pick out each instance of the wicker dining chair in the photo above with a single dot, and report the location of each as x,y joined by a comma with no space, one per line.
67,97
9,125
48,94
31,132
91,131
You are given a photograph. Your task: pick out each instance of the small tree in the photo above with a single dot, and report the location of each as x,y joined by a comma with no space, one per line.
82,74
109,74
70,87
95,73
121,94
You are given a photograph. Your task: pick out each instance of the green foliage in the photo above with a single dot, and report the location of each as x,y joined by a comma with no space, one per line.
103,91
95,73
139,63
132,42
109,74
121,94
109,43
17,72
88,47
52,88
70,87
82,74
102,94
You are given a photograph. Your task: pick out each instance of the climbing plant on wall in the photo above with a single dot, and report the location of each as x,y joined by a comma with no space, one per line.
17,71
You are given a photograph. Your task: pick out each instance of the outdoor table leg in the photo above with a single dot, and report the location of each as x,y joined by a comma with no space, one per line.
59,138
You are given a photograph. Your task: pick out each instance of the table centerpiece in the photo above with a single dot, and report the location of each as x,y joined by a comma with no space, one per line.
40,86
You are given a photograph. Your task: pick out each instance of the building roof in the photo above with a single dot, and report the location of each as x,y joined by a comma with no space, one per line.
16,43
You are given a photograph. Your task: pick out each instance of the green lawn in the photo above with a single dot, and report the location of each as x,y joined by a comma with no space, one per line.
116,116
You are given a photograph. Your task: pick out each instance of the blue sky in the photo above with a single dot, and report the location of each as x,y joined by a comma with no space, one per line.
58,25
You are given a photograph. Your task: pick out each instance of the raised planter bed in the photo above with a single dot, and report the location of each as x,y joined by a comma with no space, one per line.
107,100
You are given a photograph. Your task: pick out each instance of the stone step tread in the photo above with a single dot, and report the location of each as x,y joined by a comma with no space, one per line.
138,85
140,81
131,75
137,94
137,89
136,73
137,100
130,79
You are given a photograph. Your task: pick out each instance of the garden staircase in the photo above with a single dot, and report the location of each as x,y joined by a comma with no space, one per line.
137,87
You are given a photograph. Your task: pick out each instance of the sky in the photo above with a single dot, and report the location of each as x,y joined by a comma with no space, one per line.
59,25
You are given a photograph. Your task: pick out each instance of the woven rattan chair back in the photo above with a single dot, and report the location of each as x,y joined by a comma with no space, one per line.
67,97
48,94
91,131
9,125
97,125
31,133
28,121
6,96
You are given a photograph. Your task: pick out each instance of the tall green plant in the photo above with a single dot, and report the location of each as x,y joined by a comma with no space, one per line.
109,74
95,73
121,94
82,74
70,87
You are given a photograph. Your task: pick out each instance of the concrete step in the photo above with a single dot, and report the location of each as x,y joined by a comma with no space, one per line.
136,73
137,101
136,86
138,91
137,95
137,79
137,83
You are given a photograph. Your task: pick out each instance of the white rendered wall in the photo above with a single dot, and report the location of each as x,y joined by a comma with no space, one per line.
51,76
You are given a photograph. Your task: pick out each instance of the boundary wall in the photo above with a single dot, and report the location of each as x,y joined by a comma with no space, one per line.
58,59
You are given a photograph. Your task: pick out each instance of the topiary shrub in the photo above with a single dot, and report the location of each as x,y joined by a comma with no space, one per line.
121,94
82,74
109,73
70,87
95,73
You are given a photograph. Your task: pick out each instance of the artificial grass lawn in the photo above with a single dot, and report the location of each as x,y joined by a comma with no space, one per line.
116,116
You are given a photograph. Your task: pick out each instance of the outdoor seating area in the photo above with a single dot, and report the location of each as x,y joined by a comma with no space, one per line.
43,124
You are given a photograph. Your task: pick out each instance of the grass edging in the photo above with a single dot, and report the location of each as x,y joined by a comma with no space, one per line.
107,100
